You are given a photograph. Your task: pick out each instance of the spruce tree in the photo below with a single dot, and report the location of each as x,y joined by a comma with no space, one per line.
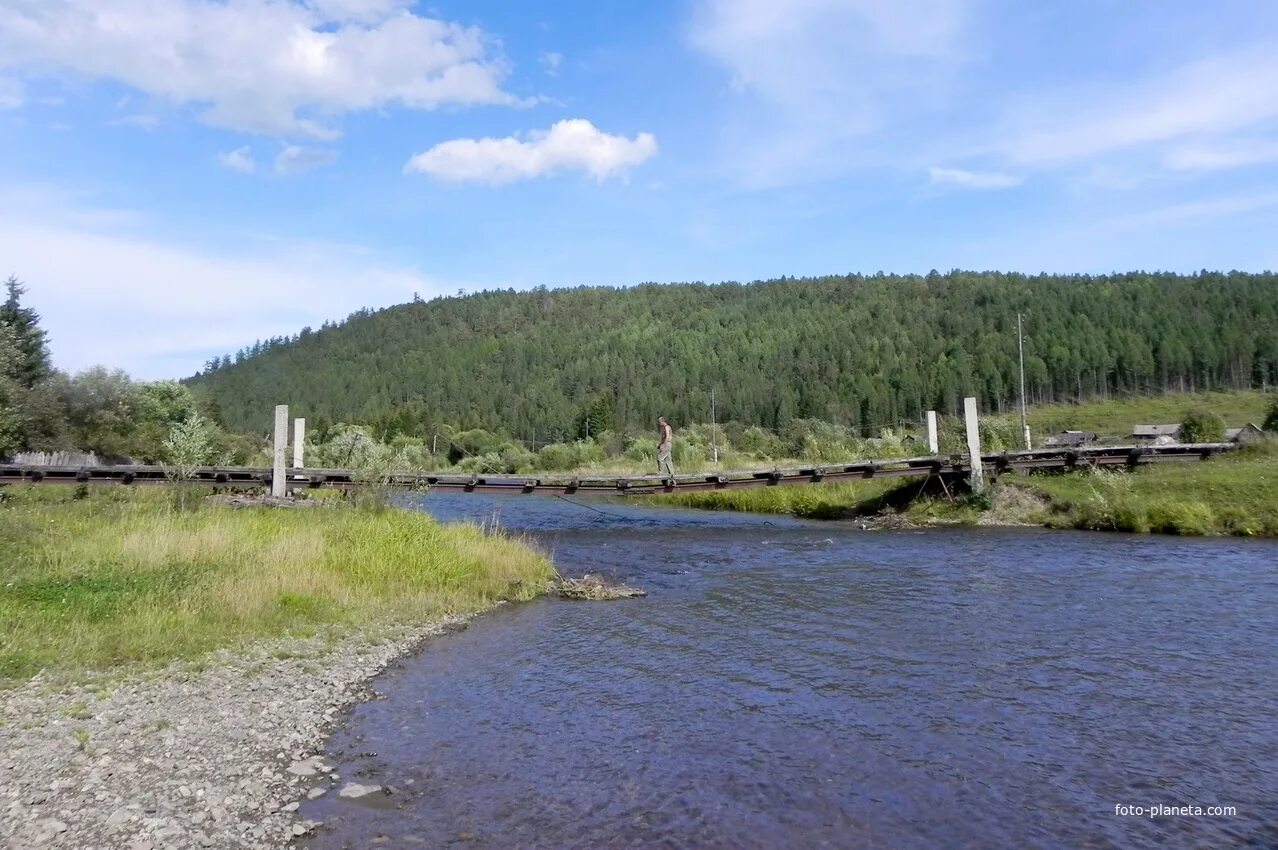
27,335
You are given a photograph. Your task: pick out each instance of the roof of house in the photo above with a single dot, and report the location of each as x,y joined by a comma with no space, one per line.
1071,438
1231,433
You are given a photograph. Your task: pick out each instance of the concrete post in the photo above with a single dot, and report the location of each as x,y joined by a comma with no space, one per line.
299,442
973,443
279,484
933,444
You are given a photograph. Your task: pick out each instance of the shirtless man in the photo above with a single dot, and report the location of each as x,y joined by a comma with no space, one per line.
663,447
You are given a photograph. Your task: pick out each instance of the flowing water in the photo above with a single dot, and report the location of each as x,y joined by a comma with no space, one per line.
797,684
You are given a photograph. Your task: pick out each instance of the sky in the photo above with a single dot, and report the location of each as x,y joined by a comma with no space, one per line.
181,177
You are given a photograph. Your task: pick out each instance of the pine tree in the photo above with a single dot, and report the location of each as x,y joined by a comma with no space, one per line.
27,336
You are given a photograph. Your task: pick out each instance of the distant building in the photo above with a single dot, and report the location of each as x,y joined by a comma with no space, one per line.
1245,434
1070,438
1159,434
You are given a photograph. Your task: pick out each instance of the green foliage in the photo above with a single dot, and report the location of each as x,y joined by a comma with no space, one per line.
118,578
565,456
1233,494
860,352
811,501
30,414
186,449
1114,417
1271,415
1202,426
26,337
595,418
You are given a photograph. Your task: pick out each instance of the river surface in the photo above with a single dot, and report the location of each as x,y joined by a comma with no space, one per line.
791,684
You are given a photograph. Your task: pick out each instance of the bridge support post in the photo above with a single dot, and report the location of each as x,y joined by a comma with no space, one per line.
279,484
299,441
973,443
933,445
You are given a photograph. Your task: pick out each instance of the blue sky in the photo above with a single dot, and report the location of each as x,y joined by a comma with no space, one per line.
181,177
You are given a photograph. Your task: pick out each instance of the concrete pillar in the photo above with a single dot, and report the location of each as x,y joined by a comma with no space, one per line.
933,443
279,484
973,443
299,441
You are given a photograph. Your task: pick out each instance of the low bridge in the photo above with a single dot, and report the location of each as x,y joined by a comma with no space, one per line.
947,467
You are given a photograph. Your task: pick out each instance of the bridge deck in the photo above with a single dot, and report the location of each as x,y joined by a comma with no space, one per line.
950,466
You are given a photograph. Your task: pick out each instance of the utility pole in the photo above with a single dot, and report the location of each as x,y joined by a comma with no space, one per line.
714,428
1020,345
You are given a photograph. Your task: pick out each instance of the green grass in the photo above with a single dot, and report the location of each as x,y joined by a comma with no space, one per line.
116,577
813,501
1115,417
1236,494
1232,494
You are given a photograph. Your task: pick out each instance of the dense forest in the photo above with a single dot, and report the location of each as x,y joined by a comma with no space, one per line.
861,351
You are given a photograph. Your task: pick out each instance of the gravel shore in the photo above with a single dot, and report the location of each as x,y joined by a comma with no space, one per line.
210,755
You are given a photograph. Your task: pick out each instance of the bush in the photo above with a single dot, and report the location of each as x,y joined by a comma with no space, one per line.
756,441
560,456
1202,426
1271,417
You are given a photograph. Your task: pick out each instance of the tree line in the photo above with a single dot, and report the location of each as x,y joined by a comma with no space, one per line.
861,352
98,410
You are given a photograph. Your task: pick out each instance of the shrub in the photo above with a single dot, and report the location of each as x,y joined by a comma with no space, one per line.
1271,417
1202,426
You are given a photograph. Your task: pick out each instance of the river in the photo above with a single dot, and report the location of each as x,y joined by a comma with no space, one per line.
793,684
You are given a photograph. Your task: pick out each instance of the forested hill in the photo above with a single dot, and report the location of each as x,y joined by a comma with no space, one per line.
864,351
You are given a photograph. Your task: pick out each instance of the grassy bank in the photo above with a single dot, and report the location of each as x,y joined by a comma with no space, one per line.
1116,417
118,577
812,501
1235,494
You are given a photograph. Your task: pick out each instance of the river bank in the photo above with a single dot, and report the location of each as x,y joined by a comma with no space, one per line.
1233,495
167,675
215,754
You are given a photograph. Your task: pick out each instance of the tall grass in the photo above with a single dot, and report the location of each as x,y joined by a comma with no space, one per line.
118,577
1115,417
1235,494
812,501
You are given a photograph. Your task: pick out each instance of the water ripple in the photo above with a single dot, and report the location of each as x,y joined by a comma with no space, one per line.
795,684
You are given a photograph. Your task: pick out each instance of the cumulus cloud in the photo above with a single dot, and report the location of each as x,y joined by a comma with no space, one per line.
277,67
294,159
570,145
240,159
973,179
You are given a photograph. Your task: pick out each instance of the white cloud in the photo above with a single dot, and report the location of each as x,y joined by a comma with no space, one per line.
973,179
1222,155
813,76
240,159
570,145
294,159
550,62
12,93
278,67
1206,98
97,280
358,10
1194,211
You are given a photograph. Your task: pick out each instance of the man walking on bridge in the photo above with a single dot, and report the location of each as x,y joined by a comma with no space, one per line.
663,447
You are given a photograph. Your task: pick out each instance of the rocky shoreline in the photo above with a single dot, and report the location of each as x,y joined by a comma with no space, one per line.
213,754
